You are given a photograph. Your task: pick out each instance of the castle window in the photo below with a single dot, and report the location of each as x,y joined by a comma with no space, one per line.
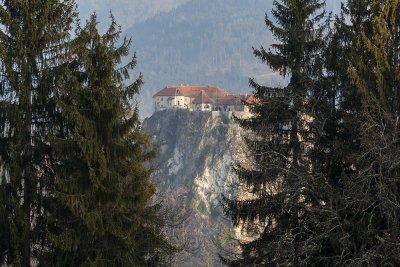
178,103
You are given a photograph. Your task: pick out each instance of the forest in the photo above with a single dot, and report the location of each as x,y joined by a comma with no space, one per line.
128,12
323,184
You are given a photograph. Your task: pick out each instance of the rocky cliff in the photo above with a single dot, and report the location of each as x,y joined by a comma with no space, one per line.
195,153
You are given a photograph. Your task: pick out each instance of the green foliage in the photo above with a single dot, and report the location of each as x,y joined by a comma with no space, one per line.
34,46
224,243
373,188
197,203
194,200
102,187
226,237
202,207
74,188
285,181
333,168
376,71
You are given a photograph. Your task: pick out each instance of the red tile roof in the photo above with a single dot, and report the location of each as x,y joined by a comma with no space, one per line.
231,100
252,100
166,92
202,98
191,91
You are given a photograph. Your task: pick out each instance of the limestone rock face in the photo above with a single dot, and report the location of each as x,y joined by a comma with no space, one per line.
196,150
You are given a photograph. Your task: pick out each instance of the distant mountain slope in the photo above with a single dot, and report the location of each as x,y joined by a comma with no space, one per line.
193,41
202,42
127,12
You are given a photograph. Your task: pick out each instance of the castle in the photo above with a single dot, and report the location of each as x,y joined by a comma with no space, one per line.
202,98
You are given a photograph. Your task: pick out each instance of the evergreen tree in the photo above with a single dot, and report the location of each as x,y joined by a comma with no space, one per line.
102,213
286,193
356,135
33,46
373,188
356,15
375,71
336,204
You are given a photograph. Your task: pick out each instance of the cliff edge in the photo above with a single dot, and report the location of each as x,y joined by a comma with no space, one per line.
196,150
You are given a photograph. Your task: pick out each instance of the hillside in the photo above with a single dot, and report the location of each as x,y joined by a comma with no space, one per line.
196,42
202,42
127,12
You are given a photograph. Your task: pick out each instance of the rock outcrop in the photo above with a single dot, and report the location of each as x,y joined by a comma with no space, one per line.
195,153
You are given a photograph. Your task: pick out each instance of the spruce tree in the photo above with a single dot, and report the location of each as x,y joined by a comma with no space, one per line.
285,193
33,46
356,15
355,207
373,188
102,213
376,66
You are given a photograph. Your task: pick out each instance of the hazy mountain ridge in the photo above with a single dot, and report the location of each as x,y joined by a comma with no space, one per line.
195,42
127,12
202,42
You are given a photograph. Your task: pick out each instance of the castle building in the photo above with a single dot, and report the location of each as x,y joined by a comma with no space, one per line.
251,101
202,98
